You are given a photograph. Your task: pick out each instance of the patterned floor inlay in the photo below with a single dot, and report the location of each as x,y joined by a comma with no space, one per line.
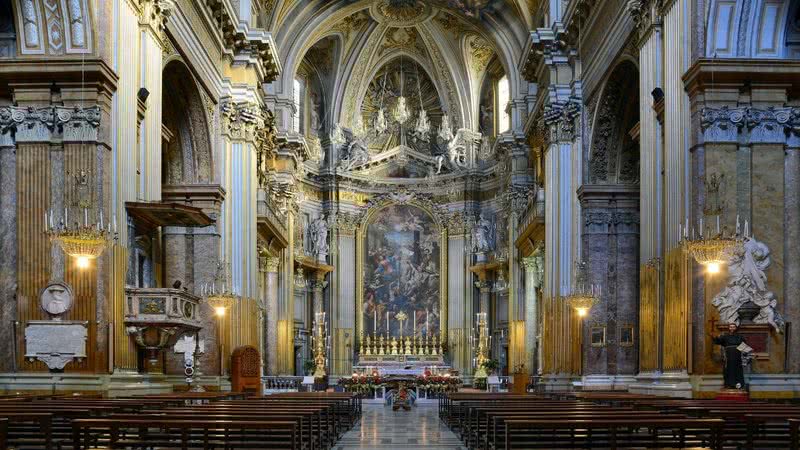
381,428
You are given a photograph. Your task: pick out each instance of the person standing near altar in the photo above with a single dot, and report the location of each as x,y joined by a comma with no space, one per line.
733,345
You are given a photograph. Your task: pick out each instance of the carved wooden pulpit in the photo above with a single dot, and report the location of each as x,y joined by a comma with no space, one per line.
246,370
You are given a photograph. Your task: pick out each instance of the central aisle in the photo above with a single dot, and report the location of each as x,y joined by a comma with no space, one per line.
382,428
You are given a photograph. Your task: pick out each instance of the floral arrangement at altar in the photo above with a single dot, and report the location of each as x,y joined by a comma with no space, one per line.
361,383
366,384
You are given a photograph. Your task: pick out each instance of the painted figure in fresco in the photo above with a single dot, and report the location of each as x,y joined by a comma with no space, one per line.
402,272
733,372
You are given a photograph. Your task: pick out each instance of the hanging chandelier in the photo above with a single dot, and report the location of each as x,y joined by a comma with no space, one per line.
401,114
219,293
423,126
709,248
82,242
380,122
583,295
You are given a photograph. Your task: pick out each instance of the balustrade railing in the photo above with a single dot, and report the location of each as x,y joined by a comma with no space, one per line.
282,383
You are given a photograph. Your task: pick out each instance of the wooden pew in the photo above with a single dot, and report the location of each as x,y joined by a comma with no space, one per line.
197,433
4,433
612,433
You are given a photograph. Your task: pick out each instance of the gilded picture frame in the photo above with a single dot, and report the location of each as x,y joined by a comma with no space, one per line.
361,234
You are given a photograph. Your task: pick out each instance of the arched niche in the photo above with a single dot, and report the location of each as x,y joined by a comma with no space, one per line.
186,143
614,153
753,29
8,33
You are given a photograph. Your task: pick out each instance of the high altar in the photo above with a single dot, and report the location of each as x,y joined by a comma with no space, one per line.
402,321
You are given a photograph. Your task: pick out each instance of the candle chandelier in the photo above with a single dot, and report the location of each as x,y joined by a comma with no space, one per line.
712,248
84,242
219,293
401,114
583,295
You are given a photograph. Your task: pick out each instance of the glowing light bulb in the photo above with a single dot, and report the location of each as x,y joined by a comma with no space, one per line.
82,262
219,310
713,267
582,312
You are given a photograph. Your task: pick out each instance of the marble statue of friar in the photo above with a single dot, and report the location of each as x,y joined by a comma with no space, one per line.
733,370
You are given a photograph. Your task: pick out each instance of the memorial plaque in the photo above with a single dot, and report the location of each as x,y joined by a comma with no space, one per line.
55,343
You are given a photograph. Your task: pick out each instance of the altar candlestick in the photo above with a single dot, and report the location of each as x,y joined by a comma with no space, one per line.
375,321
717,224
85,217
387,323
427,316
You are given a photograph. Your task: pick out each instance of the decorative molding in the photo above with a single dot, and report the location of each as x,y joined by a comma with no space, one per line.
32,124
347,224
78,124
753,125
252,46
559,118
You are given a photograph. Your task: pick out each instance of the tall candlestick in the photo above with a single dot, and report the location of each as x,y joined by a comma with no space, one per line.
375,321
427,316
415,323
85,217
387,323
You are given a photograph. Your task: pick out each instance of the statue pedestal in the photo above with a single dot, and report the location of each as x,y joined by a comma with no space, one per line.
734,395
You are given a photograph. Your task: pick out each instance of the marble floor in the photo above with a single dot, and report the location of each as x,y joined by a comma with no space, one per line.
381,428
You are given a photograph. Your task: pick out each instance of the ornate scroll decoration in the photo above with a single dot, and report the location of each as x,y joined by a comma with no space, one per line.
78,124
405,196
155,13
762,125
559,117
400,13
39,124
347,223
243,43
266,137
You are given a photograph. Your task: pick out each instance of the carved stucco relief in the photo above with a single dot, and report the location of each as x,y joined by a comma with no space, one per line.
54,27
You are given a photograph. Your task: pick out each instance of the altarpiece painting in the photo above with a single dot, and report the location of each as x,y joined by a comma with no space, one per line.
402,267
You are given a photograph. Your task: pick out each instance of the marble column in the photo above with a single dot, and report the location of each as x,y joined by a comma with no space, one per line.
271,288
8,248
791,235
533,279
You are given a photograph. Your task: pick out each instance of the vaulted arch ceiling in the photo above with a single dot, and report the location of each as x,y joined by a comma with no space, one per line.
452,39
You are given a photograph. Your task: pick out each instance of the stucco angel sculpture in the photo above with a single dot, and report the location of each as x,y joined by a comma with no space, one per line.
482,234
357,154
318,237
457,149
748,282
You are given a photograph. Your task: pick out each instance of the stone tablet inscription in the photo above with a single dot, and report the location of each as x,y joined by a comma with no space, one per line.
55,343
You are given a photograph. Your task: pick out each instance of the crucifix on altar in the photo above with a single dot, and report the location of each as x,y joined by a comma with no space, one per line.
401,317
